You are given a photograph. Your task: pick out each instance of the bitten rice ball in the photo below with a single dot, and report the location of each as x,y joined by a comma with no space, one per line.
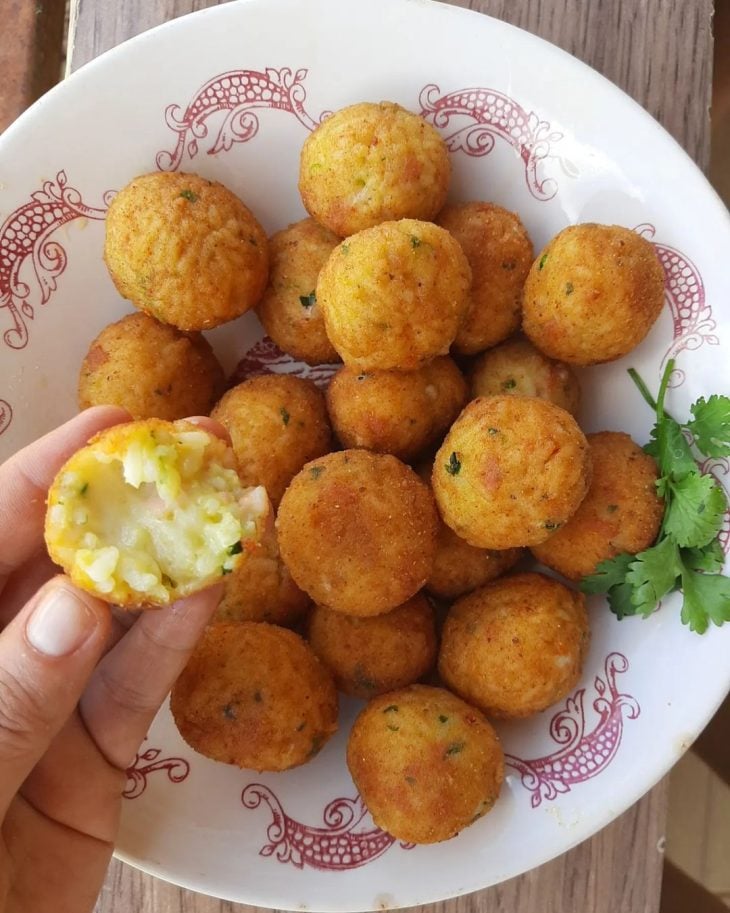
185,250
511,471
398,412
150,511
500,254
276,422
289,310
458,567
150,369
393,296
593,294
369,656
256,696
621,512
357,531
516,366
262,589
516,646
370,163
426,764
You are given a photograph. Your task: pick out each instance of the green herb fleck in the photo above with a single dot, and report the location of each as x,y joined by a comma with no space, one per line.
345,248
391,708
317,742
308,301
453,467
316,471
492,430
226,570
235,549
509,384
443,719
454,748
284,415
612,508
552,524
415,242
84,488
229,712
189,196
362,680
542,261
687,555
393,728
569,288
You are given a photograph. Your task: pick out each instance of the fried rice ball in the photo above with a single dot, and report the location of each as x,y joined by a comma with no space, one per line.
393,296
150,511
277,422
622,511
357,531
511,471
398,412
458,567
426,763
150,369
516,366
370,163
369,656
593,294
515,646
185,250
261,589
256,696
500,253
289,310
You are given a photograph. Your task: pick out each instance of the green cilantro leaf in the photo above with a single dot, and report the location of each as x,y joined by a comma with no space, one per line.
710,425
653,574
608,574
694,511
308,301
620,600
670,449
710,558
706,599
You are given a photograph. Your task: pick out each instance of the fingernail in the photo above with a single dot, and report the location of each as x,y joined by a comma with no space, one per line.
60,623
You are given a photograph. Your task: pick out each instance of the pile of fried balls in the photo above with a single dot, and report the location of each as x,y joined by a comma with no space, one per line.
444,448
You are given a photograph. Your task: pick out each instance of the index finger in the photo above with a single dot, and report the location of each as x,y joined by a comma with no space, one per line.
26,477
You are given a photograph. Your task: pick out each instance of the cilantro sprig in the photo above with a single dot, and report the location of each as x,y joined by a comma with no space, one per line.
687,555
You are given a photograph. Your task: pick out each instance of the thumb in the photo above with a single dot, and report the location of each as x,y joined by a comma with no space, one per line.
47,654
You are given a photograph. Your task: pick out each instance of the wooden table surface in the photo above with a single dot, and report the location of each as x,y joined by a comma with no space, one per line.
660,52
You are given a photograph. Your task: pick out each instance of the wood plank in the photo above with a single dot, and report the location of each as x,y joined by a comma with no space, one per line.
660,51
30,53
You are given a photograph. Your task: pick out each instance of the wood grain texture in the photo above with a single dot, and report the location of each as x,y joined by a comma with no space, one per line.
30,53
660,52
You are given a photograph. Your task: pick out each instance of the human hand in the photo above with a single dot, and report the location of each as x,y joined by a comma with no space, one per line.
78,691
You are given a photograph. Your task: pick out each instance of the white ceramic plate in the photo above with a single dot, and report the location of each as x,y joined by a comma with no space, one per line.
232,93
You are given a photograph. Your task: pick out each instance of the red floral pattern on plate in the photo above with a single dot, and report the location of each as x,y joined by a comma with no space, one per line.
486,114
265,357
147,763
685,293
6,415
582,755
347,841
238,92
26,235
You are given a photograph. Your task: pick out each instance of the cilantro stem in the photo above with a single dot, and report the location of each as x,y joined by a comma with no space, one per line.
643,389
663,390
656,405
